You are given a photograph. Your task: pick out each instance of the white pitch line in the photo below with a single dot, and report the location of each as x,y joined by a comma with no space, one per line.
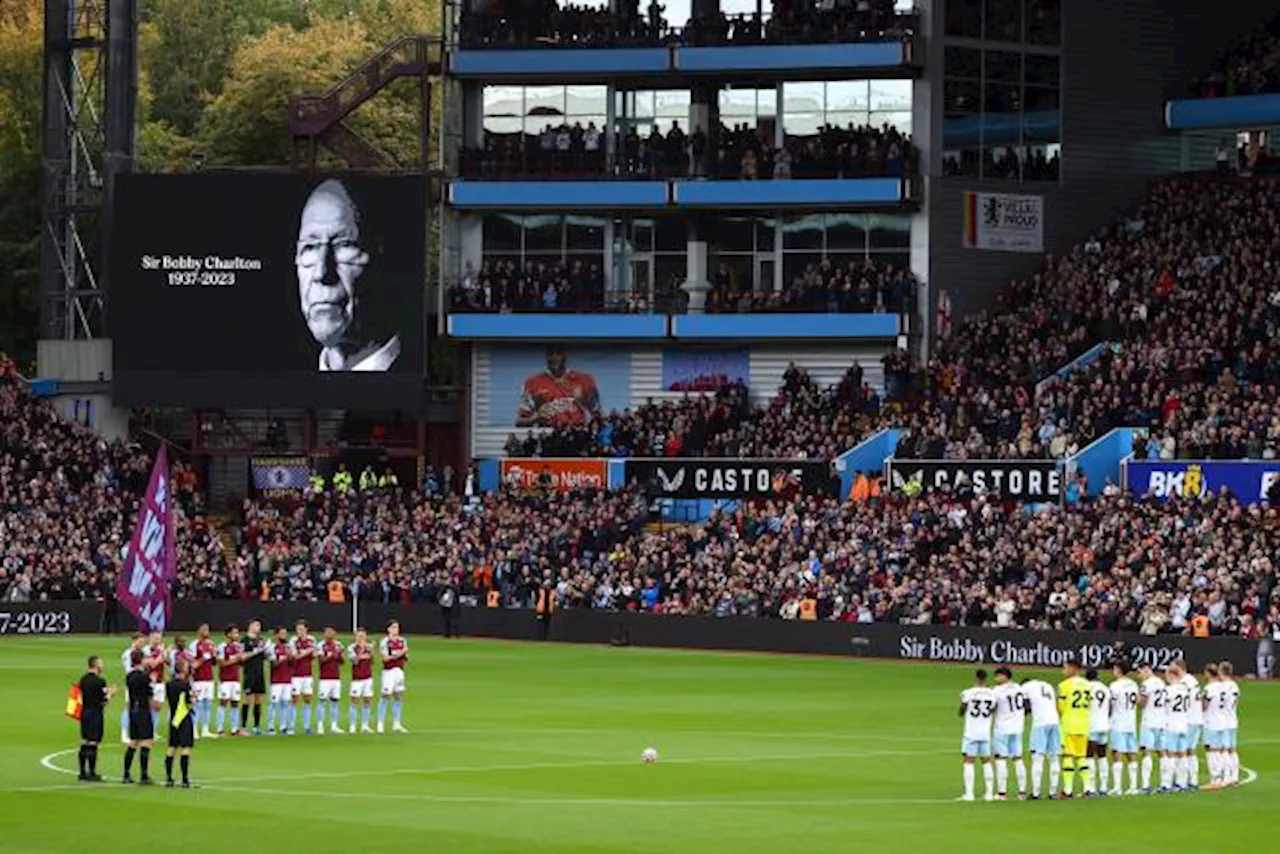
1248,776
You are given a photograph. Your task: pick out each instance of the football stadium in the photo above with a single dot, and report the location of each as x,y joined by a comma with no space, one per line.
724,425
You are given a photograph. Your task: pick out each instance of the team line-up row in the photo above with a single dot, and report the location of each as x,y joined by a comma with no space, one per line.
1084,728
292,662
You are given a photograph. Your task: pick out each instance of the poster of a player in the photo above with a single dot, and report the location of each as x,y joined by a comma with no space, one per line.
558,396
553,385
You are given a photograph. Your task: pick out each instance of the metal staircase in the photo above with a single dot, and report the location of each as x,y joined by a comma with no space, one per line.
316,120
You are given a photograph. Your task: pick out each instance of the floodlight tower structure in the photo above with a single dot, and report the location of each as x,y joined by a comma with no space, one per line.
90,109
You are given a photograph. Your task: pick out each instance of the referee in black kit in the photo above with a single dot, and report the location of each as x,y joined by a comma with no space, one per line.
94,695
182,725
142,731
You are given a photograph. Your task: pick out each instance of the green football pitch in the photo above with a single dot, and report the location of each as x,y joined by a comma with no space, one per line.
524,747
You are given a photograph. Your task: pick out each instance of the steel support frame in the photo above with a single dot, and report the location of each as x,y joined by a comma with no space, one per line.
90,107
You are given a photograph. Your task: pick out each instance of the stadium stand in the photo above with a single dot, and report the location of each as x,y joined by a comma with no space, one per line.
572,25
802,420
1249,68
1181,299
1114,563
738,152
862,285
67,505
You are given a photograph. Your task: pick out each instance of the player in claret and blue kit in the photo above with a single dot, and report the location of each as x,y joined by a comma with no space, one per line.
203,655
280,656
230,657
330,655
395,655
360,653
304,652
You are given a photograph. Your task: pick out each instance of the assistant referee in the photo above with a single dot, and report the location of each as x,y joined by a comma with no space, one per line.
94,695
182,725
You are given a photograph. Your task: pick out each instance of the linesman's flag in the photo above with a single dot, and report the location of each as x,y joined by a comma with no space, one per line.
75,703
180,713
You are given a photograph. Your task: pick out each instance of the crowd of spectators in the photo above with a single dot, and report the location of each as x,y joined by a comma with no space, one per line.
801,420
549,24
1114,563
741,152
1181,300
1184,293
504,285
865,284
1250,68
68,503
1037,163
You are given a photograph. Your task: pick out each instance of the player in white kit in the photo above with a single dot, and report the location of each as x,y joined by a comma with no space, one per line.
1124,730
1174,776
1099,730
978,708
1214,726
1046,734
1154,696
1195,726
1230,722
1011,717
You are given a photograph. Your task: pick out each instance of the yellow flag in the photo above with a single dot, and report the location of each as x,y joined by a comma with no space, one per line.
180,713
75,703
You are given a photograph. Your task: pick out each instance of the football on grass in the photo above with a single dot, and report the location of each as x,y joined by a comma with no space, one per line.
649,756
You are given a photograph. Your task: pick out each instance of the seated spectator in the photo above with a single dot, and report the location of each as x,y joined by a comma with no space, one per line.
572,25
68,506
1249,68
862,285
505,286
936,559
740,152
802,420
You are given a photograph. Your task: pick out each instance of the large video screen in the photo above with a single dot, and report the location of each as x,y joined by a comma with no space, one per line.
268,289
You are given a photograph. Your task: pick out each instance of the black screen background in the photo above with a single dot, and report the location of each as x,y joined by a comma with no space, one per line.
248,344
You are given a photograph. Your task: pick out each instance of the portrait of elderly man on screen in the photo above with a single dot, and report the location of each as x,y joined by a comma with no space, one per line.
331,262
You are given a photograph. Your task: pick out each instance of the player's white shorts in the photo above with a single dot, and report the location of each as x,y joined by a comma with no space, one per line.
229,692
303,686
1008,745
362,689
1176,742
201,691
1046,740
157,692
330,689
393,681
1098,737
1151,739
281,692
1124,742
973,749
1194,733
